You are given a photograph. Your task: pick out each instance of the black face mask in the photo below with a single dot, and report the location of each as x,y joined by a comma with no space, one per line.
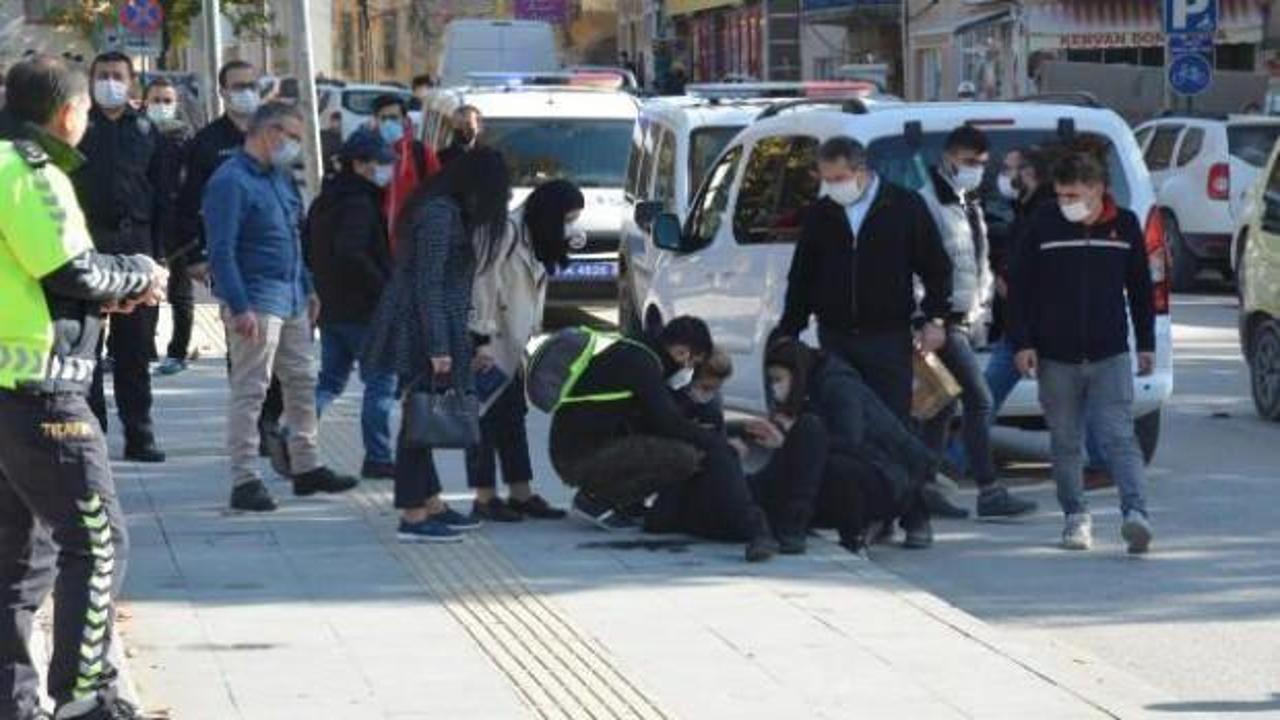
464,136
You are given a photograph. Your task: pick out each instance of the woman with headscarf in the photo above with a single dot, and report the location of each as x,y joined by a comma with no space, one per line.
510,296
447,232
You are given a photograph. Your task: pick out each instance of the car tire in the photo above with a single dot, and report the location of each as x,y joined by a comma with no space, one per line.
1264,369
1147,428
1186,266
628,318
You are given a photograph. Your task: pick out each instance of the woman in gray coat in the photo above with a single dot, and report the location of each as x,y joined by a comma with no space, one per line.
421,330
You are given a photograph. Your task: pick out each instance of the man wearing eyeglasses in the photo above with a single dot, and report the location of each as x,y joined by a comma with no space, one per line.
252,214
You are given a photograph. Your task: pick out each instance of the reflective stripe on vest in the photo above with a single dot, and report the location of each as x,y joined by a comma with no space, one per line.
28,365
597,344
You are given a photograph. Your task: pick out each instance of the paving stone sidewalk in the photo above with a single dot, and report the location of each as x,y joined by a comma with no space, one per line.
316,612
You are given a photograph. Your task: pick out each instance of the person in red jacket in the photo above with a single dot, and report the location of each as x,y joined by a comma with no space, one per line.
416,161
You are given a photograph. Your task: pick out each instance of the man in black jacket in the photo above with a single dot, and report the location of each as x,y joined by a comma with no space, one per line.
1082,263
860,246
468,124
618,451
351,263
120,189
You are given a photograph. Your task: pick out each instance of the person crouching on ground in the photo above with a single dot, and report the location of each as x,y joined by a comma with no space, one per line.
420,330
631,441
509,299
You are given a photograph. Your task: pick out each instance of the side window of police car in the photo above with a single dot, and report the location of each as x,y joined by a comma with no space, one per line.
633,162
664,181
644,183
709,207
780,181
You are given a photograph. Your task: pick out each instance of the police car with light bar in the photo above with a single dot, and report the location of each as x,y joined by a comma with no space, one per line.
572,125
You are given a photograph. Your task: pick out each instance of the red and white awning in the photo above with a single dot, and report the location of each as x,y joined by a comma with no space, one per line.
1097,24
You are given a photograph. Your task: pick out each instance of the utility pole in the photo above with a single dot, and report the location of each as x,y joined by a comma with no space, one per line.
212,12
303,66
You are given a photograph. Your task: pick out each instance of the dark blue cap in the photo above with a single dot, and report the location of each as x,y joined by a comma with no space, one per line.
367,144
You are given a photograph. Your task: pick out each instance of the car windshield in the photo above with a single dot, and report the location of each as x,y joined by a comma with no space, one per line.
1252,143
360,102
590,153
705,146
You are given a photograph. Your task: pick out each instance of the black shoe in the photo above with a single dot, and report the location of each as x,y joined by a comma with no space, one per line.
593,511
762,548
537,508
939,505
144,452
997,502
919,536
855,543
252,497
792,543
371,470
322,480
495,510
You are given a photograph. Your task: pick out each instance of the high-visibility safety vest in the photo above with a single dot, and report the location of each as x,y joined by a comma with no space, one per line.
561,359
41,229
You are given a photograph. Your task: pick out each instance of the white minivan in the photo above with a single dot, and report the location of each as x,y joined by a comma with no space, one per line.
472,46
728,261
555,126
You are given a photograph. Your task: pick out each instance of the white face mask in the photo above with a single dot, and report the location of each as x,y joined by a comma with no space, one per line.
781,390
243,102
1076,212
382,175
161,113
575,235
110,94
968,178
1005,184
701,397
284,155
681,379
846,192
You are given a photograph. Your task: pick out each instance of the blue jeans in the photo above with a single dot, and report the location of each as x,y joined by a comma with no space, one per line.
340,346
1103,392
958,357
1002,377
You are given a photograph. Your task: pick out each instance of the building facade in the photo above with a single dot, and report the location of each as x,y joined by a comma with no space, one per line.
838,34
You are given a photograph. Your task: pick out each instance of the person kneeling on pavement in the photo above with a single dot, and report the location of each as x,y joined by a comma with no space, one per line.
618,436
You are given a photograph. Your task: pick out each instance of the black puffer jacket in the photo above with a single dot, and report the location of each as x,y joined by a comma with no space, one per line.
347,243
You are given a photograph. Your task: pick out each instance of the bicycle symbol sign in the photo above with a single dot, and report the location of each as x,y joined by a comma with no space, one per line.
141,16
1190,74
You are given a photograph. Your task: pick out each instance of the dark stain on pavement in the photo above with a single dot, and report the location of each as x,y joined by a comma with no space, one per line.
669,546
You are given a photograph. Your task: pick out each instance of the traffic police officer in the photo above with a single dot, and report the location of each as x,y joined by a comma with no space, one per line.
59,516
119,189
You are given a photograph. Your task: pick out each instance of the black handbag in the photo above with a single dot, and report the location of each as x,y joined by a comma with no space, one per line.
441,419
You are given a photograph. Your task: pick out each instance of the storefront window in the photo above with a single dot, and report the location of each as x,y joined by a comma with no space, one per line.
929,67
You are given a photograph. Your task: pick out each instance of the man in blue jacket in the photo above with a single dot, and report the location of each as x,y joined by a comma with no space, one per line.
252,217
1082,264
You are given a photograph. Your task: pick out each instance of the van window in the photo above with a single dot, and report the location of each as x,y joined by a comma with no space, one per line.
781,179
590,153
1160,151
893,159
1142,135
705,145
644,183
633,162
1190,147
1252,143
664,181
709,207
360,102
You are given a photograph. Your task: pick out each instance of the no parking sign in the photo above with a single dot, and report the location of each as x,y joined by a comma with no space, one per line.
141,16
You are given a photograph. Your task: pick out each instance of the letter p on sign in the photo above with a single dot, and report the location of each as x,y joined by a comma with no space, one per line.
1184,11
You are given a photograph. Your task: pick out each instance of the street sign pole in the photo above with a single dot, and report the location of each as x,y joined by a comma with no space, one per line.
303,67
212,12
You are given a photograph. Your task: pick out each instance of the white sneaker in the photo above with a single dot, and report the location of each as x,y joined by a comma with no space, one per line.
1078,533
1137,532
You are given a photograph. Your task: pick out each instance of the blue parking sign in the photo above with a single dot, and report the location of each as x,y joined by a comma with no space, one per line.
1190,73
1182,16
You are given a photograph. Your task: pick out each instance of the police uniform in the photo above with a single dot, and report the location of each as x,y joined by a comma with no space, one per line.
120,192
56,489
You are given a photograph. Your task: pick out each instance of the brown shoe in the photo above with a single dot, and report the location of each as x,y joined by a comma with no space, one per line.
1097,479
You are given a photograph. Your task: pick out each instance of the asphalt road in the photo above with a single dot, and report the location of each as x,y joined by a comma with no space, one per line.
1200,617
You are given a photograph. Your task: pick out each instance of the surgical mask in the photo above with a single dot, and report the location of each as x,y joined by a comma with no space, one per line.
158,112
382,175
846,192
243,102
392,131
1076,212
781,390
111,94
1007,188
286,153
464,136
968,178
681,379
576,236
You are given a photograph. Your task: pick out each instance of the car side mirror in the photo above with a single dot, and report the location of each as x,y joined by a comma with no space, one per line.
667,233
646,211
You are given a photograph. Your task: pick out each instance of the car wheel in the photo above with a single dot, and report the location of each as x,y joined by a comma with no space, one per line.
628,318
1185,265
1147,428
1264,369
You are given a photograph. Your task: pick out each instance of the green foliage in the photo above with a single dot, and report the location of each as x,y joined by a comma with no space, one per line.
249,18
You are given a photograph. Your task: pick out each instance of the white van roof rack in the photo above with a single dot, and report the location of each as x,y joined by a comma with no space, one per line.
577,80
